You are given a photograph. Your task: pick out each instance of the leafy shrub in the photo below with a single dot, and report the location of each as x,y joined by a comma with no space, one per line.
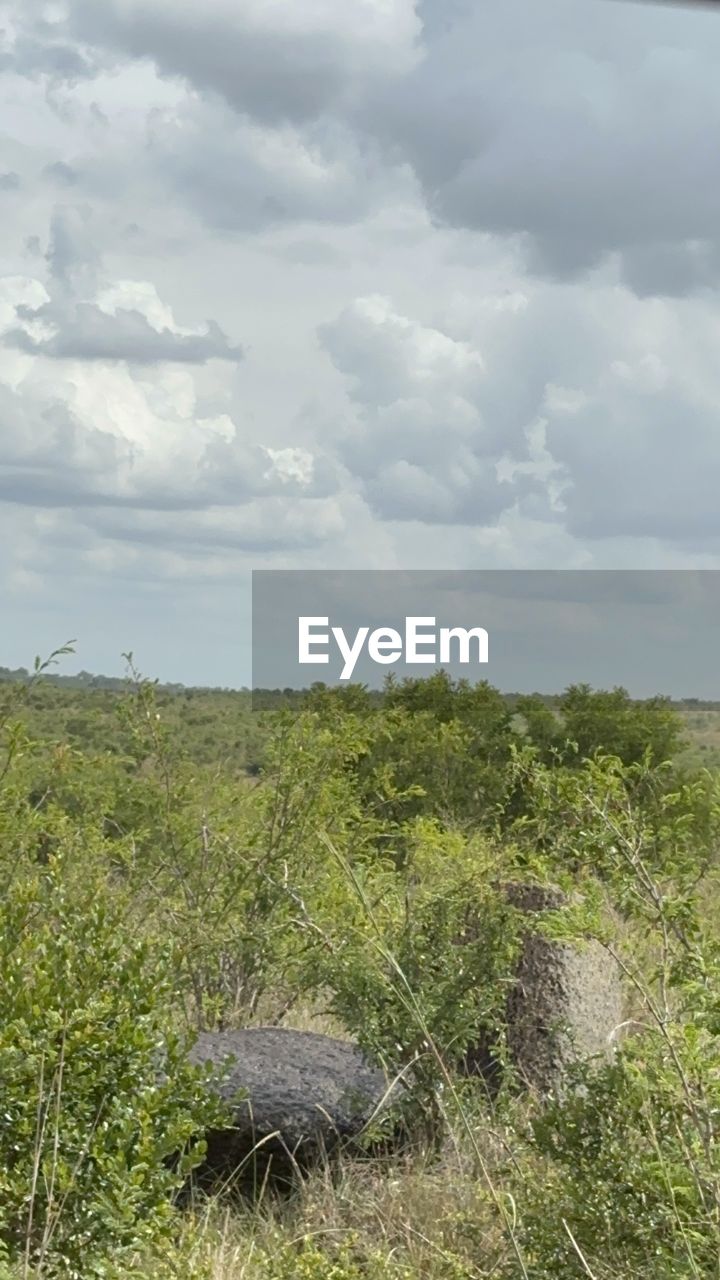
414,962
629,1174
586,721
95,1094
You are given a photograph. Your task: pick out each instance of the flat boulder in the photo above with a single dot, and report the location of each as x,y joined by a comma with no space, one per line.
294,1097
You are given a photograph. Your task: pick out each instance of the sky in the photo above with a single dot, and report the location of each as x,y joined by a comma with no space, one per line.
379,284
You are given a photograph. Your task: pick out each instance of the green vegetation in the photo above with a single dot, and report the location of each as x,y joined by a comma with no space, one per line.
152,884
219,726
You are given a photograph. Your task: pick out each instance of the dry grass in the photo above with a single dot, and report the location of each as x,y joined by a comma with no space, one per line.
301,1015
413,1217
417,1220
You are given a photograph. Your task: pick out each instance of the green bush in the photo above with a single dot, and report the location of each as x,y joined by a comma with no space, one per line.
414,962
95,1094
627,1179
630,1173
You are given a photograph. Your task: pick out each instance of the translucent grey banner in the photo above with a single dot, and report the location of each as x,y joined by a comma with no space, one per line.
652,632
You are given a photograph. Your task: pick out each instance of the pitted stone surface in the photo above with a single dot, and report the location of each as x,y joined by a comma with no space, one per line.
564,1006
306,1095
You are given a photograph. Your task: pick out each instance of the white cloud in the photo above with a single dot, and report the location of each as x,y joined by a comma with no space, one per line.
421,441
389,356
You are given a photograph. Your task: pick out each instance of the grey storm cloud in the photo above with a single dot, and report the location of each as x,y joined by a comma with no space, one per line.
274,65
582,129
267,136
239,65
579,129
238,179
671,270
630,475
41,55
85,332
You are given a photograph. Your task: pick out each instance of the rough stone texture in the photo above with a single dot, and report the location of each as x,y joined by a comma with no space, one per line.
307,1095
565,1004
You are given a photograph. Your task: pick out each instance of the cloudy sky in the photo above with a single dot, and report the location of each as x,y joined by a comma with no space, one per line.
372,284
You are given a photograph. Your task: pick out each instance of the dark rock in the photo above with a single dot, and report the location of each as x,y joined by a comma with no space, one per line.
564,1007
307,1095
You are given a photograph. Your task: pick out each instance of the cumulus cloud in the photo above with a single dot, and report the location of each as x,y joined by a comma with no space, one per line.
388,356
420,442
86,332
603,422
127,322
623,393
54,453
81,428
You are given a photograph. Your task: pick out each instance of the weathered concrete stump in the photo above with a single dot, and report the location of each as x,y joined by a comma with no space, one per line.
564,1007
307,1096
